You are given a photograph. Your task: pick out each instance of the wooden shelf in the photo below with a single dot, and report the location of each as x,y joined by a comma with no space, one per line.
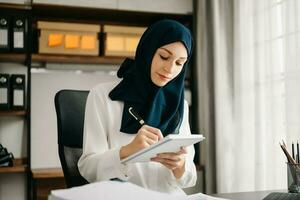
13,113
47,173
76,59
12,57
15,6
102,15
19,166
46,180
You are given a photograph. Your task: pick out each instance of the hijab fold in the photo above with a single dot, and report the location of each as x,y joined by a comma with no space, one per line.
160,107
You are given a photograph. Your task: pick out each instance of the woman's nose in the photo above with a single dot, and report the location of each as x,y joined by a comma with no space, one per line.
170,67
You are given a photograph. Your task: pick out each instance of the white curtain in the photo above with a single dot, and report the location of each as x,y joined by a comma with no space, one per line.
257,91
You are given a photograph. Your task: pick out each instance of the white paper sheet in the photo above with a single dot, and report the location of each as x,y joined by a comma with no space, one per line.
115,190
200,196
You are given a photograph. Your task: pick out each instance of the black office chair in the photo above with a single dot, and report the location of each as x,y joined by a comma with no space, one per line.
70,109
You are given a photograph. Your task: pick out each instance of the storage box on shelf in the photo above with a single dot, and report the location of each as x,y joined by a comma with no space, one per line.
121,40
68,38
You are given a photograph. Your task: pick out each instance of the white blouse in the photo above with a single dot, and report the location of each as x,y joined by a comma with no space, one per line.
102,141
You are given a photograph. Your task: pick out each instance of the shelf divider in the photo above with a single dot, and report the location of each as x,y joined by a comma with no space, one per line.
19,166
77,59
13,113
12,57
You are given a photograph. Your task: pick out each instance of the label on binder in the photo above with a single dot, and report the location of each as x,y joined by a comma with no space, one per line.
3,96
3,37
18,39
18,98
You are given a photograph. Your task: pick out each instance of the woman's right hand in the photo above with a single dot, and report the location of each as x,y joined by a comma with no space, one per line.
146,136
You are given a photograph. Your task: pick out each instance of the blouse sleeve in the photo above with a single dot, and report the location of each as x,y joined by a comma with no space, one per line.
98,161
189,178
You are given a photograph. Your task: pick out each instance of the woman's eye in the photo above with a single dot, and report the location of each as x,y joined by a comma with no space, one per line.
179,64
164,58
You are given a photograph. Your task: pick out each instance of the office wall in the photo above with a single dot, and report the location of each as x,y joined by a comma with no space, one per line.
44,85
12,186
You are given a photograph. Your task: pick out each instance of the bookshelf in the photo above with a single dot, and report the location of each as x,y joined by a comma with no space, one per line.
60,13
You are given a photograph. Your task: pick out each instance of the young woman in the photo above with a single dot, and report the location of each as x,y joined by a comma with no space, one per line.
153,85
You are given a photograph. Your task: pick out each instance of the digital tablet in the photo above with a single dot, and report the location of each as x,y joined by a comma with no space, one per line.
170,143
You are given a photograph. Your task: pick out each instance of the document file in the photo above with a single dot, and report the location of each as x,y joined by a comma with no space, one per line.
116,190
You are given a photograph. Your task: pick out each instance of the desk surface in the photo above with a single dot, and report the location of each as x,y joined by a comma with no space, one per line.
258,195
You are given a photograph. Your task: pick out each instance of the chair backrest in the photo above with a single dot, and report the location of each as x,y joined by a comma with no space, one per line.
70,109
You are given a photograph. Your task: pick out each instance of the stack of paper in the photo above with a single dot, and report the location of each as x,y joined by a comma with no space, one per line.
115,190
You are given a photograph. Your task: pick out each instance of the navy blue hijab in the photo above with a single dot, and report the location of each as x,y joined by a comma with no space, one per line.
160,107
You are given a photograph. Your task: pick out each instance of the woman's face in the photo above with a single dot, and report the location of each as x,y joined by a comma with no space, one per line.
167,63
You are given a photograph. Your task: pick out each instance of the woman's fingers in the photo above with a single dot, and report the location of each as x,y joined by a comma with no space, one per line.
171,167
171,160
183,150
150,141
154,131
167,162
149,134
173,156
145,137
169,156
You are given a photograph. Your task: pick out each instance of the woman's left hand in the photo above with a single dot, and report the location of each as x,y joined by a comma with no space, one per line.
173,161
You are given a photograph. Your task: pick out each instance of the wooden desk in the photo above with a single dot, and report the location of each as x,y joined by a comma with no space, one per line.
45,180
257,195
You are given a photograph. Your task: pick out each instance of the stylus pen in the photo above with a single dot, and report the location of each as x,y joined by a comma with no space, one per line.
136,116
298,156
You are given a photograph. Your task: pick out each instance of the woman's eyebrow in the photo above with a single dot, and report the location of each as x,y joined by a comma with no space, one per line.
172,53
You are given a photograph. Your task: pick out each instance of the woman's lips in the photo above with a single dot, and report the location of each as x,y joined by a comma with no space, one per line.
165,78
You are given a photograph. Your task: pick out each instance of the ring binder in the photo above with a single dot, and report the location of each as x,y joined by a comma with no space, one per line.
4,91
17,91
19,34
4,34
